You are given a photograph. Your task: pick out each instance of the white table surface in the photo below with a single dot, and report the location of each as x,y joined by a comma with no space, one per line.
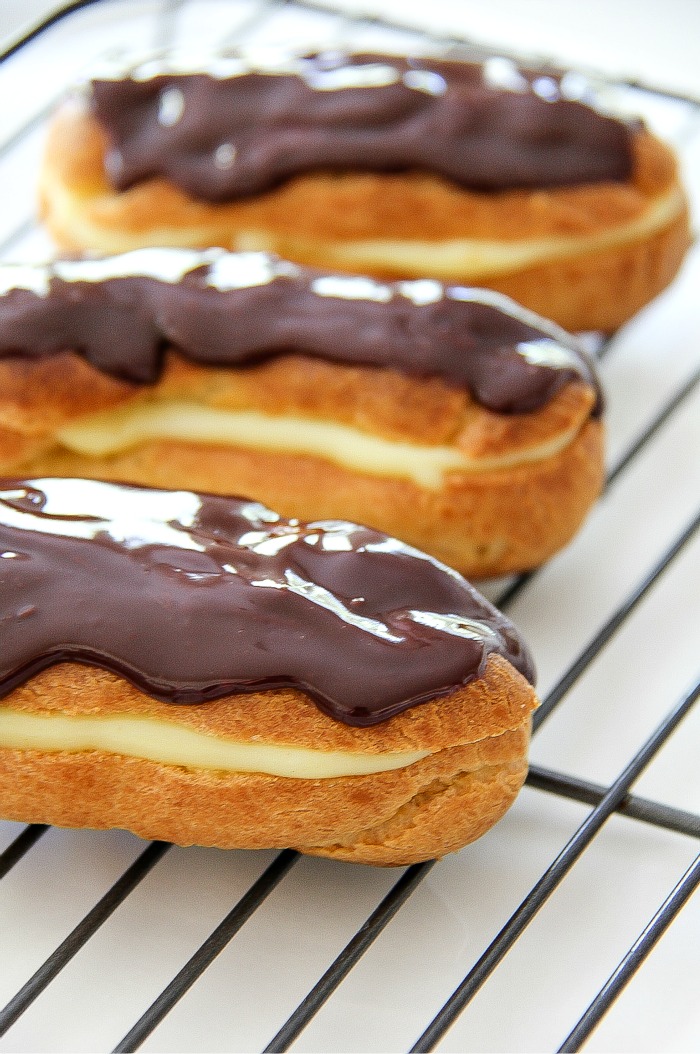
546,982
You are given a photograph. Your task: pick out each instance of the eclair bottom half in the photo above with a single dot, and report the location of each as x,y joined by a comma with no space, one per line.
486,493
83,748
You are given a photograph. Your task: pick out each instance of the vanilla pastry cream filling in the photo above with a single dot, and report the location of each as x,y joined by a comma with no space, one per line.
472,258
167,743
113,431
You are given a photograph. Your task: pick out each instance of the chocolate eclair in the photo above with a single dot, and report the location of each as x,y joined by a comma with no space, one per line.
444,415
198,669
479,173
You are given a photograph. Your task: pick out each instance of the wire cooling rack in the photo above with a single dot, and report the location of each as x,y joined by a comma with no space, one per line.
577,905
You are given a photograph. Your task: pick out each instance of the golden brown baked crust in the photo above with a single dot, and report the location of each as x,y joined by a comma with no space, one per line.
477,736
485,522
592,284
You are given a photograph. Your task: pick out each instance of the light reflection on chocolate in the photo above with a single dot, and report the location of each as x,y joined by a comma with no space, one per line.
233,309
194,597
487,127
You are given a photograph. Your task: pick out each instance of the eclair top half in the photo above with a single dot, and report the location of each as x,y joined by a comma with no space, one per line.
235,309
193,597
224,126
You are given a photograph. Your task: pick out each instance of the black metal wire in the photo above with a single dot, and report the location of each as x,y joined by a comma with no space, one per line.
45,23
306,1010
673,404
21,845
81,934
165,27
634,958
454,39
527,58
605,801
352,952
601,638
551,878
680,395
205,955
588,793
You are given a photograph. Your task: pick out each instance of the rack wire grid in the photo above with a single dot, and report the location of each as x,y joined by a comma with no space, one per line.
571,923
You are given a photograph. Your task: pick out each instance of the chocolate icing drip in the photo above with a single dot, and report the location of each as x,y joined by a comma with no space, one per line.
223,135
194,597
231,309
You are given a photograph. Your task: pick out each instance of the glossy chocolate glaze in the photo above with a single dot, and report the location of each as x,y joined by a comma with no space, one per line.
236,128
194,597
231,309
